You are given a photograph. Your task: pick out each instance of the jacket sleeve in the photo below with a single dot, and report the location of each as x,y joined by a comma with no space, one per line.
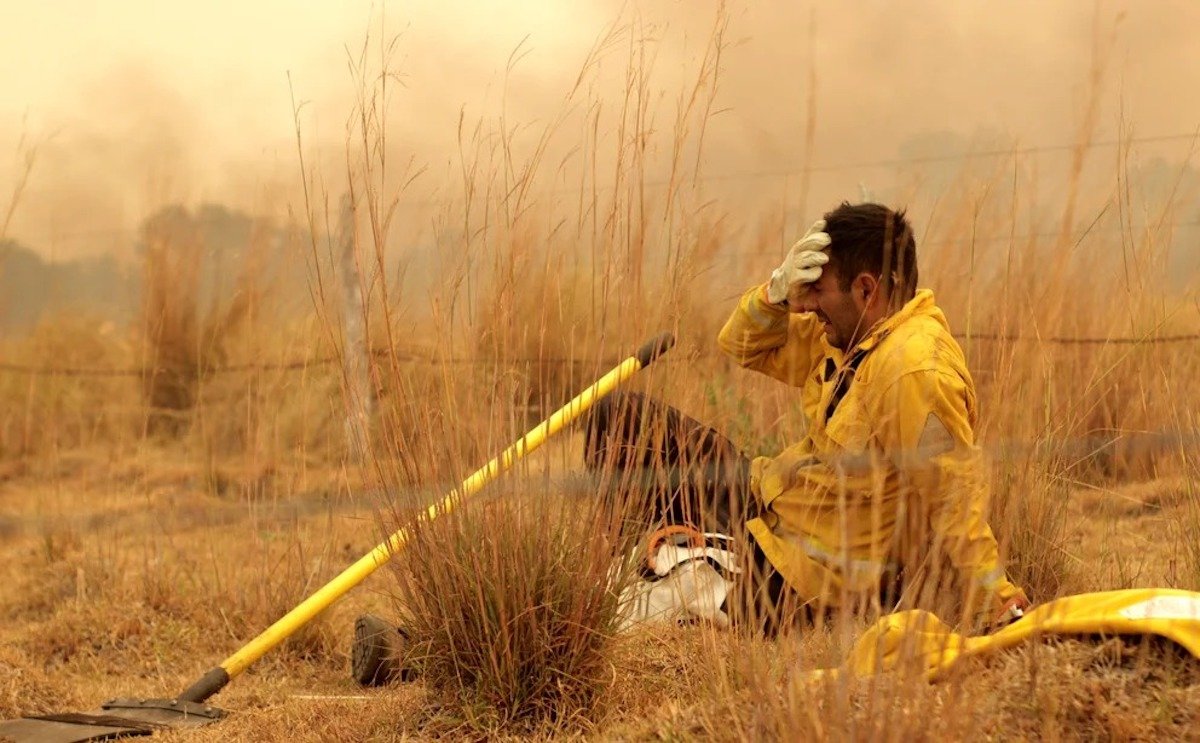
769,339
932,442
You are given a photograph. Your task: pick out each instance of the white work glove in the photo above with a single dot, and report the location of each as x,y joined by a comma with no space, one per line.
802,264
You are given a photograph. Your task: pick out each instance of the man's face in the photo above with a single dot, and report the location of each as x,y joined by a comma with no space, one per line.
839,309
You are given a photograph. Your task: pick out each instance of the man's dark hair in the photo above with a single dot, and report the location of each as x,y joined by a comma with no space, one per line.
871,238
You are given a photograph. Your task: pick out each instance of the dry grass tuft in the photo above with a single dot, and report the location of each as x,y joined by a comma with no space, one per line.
187,323
512,610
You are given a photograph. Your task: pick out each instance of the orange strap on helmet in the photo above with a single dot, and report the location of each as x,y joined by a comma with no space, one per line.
695,539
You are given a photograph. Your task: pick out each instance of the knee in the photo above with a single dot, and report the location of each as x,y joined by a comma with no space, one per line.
610,423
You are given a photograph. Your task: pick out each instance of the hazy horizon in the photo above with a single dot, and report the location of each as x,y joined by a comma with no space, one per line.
148,104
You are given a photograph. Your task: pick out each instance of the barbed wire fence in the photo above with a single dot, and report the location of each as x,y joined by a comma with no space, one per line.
435,359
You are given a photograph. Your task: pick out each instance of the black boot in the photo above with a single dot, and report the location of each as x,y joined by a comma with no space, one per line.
378,654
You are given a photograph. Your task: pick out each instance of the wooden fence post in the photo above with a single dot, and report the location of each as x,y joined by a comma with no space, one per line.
359,395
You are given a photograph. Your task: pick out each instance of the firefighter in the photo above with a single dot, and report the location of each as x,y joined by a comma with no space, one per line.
887,487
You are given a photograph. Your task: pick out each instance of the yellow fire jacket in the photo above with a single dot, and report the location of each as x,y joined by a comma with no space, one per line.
889,474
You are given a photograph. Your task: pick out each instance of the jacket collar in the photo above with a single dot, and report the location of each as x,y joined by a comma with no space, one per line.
922,303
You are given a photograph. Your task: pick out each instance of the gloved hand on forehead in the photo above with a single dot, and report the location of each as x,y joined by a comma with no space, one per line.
802,264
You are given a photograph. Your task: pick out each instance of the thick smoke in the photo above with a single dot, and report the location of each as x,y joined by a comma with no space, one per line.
148,104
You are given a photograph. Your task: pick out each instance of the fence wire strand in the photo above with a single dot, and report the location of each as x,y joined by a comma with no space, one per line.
433,359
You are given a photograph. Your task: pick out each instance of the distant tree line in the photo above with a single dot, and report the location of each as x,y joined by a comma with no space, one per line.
32,287
219,244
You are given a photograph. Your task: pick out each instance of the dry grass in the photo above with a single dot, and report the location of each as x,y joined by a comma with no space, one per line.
1079,690
512,612
131,579
136,553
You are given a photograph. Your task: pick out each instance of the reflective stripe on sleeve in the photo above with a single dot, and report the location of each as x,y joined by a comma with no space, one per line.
991,578
853,570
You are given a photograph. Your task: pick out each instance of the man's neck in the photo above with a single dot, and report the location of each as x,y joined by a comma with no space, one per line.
870,321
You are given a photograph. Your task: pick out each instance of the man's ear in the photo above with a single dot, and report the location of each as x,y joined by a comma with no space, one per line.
864,289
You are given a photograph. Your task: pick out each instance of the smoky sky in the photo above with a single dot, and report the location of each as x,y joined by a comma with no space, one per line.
134,104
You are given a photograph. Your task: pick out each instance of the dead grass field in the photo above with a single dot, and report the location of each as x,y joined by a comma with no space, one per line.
128,579
151,522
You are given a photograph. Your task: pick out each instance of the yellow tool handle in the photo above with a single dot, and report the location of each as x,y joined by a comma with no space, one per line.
285,626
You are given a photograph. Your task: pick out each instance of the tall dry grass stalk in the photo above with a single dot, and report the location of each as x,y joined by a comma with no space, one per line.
511,609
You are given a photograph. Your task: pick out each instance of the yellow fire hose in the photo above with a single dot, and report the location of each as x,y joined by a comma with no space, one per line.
216,679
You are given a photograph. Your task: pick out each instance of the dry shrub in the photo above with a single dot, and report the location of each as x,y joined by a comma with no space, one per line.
507,604
754,695
533,349
511,609
186,319
727,687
